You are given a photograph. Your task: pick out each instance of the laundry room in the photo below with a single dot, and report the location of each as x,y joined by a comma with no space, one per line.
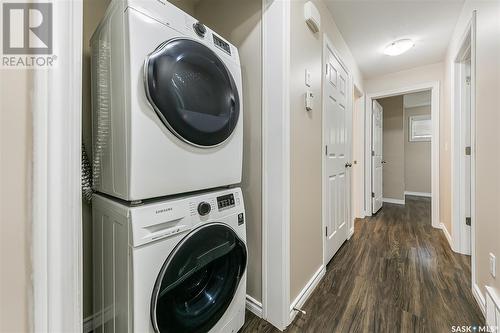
200,169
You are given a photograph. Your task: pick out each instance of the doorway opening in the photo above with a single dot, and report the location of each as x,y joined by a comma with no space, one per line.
415,126
401,152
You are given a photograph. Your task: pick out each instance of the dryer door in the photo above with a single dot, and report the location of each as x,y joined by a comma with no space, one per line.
198,280
192,91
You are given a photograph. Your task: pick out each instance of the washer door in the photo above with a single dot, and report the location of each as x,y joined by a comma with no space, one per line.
192,92
198,280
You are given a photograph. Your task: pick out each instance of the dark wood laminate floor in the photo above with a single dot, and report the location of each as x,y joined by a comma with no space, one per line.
396,274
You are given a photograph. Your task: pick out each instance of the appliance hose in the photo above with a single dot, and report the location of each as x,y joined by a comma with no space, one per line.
86,177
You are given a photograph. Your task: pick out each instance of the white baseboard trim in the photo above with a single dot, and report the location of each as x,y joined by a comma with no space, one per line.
492,307
419,194
254,306
394,201
448,236
304,294
351,232
478,295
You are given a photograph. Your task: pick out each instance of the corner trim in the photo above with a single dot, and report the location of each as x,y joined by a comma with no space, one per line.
478,295
307,291
276,162
448,236
419,194
394,201
253,306
56,212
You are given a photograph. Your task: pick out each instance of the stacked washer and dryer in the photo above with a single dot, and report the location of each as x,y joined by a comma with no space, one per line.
169,242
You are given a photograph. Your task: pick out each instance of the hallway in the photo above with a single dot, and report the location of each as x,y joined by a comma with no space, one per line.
396,274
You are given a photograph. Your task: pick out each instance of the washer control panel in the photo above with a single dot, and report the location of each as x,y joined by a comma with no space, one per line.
225,201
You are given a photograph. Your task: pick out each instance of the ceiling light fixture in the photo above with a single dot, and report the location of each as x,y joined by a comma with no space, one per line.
398,47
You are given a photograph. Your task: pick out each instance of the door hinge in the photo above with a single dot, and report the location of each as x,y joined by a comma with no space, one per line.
467,220
373,152
373,194
467,80
326,150
467,151
326,231
326,70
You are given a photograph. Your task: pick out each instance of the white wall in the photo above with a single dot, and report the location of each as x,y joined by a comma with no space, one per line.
487,197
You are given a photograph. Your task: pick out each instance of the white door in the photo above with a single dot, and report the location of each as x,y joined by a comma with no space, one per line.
337,128
377,165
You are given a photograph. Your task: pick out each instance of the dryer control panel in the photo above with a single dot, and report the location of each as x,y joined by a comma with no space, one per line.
221,44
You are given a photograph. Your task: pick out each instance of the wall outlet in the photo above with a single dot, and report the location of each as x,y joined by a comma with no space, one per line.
493,265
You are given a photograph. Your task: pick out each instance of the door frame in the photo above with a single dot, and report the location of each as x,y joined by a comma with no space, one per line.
467,41
328,45
435,112
358,156
381,164
56,195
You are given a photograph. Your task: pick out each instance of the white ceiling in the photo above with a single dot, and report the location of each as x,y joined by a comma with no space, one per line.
368,26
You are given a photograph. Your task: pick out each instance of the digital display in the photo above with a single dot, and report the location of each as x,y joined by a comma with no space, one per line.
225,201
222,44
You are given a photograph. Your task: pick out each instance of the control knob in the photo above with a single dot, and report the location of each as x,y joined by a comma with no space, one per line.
204,208
200,29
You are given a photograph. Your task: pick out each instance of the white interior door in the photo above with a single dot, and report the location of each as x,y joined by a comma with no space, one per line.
377,166
337,128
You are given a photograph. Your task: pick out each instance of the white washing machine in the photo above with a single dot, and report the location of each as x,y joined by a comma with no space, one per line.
170,266
166,103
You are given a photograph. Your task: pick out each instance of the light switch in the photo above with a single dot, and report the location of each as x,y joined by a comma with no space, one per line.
308,78
309,100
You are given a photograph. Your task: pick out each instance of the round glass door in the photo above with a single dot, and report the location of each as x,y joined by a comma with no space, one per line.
192,91
198,280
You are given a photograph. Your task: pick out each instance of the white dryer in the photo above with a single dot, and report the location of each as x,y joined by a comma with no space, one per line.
170,266
167,103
